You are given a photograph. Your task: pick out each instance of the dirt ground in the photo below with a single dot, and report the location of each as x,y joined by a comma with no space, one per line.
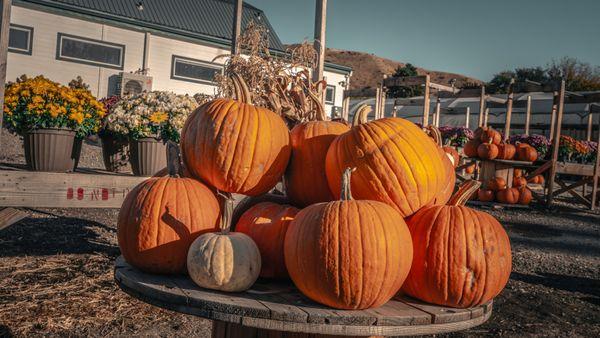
56,276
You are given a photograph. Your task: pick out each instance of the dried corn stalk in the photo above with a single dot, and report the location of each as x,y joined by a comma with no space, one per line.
281,84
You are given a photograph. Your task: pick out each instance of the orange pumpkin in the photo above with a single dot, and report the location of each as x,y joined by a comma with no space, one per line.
161,217
452,155
470,169
487,151
496,183
485,195
490,135
348,254
266,223
506,151
508,196
234,146
306,182
525,195
517,172
470,148
519,182
537,179
392,166
248,202
525,152
444,195
462,256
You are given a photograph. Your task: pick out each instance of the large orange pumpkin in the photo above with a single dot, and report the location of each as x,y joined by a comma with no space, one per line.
234,146
266,223
306,181
348,254
394,161
462,256
525,152
161,217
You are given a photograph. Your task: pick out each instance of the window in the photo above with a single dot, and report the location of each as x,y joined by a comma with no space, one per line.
20,39
191,70
89,51
330,95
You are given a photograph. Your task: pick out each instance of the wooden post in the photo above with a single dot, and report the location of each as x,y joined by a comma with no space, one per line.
382,105
485,117
4,29
320,25
553,115
481,107
590,123
426,102
438,111
509,108
345,107
377,102
528,115
596,172
468,116
237,26
556,143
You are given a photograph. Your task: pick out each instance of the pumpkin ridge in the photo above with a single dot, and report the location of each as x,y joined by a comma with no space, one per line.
465,218
230,166
404,157
380,223
253,155
486,279
354,210
481,218
220,117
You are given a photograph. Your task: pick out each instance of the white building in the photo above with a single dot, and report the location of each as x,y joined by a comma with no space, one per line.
175,40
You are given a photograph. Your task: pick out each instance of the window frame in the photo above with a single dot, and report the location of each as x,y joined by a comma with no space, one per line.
29,50
332,102
207,64
59,39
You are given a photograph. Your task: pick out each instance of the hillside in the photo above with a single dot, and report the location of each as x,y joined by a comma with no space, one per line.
368,70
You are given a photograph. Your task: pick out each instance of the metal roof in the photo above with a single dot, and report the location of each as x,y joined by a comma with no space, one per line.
204,19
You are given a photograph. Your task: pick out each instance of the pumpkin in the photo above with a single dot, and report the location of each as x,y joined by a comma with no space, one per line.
470,169
525,152
485,195
392,164
478,132
496,183
506,151
266,223
162,216
306,182
487,151
517,172
224,261
462,256
234,146
537,179
525,195
508,195
519,182
249,201
452,155
490,135
348,254
470,148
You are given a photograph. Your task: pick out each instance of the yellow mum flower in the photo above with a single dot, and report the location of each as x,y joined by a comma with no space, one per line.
77,117
25,93
158,117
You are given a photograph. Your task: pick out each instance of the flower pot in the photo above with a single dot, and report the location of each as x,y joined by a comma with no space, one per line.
50,149
147,156
115,152
76,153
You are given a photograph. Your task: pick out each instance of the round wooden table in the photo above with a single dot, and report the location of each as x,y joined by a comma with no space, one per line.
278,309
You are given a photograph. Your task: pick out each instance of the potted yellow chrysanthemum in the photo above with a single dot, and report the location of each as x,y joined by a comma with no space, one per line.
50,117
149,120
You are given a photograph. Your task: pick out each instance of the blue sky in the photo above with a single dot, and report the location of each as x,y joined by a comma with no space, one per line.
472,37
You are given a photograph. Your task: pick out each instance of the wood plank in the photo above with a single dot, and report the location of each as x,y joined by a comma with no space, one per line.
528,115
404,81
497,205
319,41
398,313
555,133
573,193
540,170
509,109
596,177
426,102
6,6
572,186
10,216
578,169
64,190
442,88
317,314
440,314
482,103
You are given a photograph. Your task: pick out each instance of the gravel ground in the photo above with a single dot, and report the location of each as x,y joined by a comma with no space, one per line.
56,275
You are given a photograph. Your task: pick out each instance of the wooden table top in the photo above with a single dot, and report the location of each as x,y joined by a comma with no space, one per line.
280,306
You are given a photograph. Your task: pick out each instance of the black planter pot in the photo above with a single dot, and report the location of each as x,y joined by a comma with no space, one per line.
115,152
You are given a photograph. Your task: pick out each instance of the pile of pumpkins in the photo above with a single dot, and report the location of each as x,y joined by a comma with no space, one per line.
369,212
497,189
487,144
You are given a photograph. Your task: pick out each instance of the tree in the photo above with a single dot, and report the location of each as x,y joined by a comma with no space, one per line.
499,83
578,75
410,91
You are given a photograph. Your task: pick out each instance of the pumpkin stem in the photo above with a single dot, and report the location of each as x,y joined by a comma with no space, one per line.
227,213
173,159
435,134
240,88
360,117
465,191
320,111
346,194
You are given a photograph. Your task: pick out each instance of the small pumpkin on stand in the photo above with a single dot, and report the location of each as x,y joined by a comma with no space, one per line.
348,254
496,184
162,216
537,179
487,151
525,152
506,151
508,196
519,182
485,195
525,195
489,135
454,247
470,148
225,261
